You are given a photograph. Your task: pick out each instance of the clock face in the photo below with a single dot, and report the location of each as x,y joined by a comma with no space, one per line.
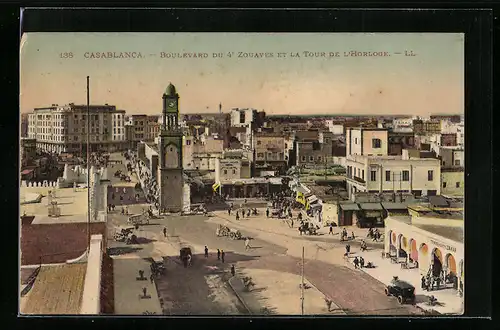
171,103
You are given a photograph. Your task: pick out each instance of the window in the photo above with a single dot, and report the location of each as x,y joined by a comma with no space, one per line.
363,174
303,158
225,171
373,175
457,162
355,140
188,142
430,175
259,142
319,158
387,175
406,175
311,158
260,155
234,171
457,185
444,163
444,184
376,143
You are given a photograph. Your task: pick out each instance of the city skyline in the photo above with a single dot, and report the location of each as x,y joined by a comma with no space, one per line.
432,82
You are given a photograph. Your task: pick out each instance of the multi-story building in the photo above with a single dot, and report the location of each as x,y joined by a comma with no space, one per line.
270,152
142,128
452,181
64,128
370,169
242,117
420,176
367,141
24,125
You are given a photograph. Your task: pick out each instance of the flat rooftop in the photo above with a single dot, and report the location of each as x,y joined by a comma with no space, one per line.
453,233
57,290
73,205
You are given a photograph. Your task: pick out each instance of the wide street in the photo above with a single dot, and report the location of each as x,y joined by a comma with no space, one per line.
202,289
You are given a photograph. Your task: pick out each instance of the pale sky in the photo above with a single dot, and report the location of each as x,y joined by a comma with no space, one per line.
430,82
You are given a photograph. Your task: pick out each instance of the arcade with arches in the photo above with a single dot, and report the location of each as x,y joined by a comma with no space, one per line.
431,254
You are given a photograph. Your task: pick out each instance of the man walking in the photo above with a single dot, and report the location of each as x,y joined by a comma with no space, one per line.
247,244
356,262
330,232
233,272
267,212
164,231
237,216
222,255
206,252
218,254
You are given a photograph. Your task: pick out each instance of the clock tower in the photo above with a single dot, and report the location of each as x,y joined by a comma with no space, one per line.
170,176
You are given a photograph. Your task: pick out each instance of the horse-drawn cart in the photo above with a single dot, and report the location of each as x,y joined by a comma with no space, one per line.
139,219
226,231
125,234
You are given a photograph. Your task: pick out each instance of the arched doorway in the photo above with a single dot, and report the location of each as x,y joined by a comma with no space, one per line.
423,252
392,243
413,250
451,264
402,246
437,262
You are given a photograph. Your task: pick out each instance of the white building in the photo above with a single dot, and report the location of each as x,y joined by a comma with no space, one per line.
420,176
452,157
64,128
429,240
336,129
449,127
403,125
242,117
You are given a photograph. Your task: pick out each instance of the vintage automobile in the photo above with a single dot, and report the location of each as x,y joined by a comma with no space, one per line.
404,291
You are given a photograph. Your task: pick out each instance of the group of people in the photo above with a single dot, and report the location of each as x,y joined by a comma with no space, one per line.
374,234
359,262
248,212
344,236
149,184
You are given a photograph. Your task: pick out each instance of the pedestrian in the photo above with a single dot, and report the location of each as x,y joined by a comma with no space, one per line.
189,259
363,245
123,210
352,234
348,248
206,252
331,230
237,216
243,213
151,278
300,230
218,254
222,255
126,210
422,282
229,211
356,262
248,214
361,262
267,212
233,272
291,223
164,231
247,243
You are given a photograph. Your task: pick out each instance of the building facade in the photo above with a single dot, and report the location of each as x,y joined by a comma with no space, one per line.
420,176
367,141
270,152
452,181
64,128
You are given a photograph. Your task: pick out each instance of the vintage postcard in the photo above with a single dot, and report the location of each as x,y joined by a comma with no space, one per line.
242,174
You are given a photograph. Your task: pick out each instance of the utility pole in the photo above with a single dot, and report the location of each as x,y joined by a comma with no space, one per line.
88,164
302,285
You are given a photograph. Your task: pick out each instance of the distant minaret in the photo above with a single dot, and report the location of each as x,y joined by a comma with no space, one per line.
220,108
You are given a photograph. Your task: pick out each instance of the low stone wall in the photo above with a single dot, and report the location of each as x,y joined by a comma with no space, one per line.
91,299
44,183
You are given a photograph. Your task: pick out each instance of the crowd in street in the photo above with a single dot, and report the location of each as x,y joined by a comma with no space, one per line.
148,183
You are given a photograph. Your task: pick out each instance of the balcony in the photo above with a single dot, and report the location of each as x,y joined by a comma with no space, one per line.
356,179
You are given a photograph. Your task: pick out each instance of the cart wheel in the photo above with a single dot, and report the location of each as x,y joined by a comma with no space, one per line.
387,293
401,300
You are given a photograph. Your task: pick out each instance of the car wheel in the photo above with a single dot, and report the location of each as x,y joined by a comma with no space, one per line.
387,293
401,300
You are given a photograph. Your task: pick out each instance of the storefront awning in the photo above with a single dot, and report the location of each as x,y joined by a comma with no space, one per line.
371,206
275,181
394,206
349,207
300,189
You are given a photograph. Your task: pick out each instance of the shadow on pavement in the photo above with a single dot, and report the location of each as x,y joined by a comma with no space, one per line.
116,251
201,288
